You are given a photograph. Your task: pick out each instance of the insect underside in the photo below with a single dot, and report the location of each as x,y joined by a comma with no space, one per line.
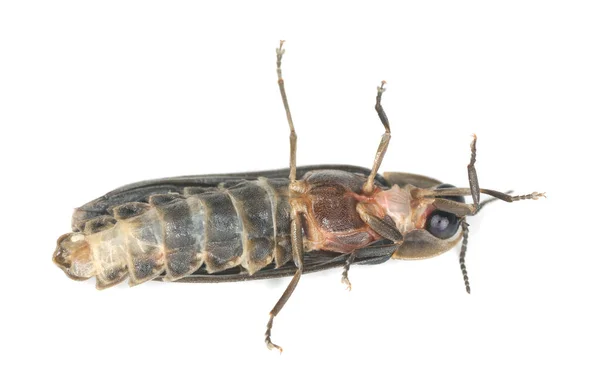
270,224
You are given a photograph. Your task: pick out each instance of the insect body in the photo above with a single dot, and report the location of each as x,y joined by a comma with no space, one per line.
269,224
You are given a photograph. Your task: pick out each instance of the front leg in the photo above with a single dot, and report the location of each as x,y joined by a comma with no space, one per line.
371,255
383,228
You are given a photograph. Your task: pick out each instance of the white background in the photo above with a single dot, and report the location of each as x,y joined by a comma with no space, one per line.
97,95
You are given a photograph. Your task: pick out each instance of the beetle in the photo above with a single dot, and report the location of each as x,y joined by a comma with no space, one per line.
245,226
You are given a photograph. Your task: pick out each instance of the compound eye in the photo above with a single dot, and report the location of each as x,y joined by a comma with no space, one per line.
442,225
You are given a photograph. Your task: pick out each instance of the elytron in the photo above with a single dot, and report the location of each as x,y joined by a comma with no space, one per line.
237,227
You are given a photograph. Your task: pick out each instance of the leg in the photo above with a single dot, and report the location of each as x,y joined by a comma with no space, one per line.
345,279
472,174
296,224
280,51
491,200
476,192
374,254
463,252
385,140
297,254
385,228
464,209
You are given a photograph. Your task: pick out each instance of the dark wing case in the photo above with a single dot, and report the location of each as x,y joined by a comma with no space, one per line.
376,253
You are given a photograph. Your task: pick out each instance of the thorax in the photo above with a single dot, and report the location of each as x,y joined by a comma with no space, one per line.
327,200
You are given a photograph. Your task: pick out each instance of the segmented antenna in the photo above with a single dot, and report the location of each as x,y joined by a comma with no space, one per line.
463,252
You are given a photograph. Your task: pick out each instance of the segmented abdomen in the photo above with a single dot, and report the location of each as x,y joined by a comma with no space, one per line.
244,224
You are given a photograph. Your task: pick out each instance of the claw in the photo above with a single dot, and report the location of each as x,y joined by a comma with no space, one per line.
268,341
280,51
272,346
346,281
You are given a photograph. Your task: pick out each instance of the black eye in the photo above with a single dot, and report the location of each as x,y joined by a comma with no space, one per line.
459,199
442,225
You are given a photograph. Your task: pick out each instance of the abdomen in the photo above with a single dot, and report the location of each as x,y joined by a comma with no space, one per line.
244,224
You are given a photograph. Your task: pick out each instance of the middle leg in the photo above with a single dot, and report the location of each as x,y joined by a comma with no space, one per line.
293,138
385,141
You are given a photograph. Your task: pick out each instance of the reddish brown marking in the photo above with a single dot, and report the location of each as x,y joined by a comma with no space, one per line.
330,219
